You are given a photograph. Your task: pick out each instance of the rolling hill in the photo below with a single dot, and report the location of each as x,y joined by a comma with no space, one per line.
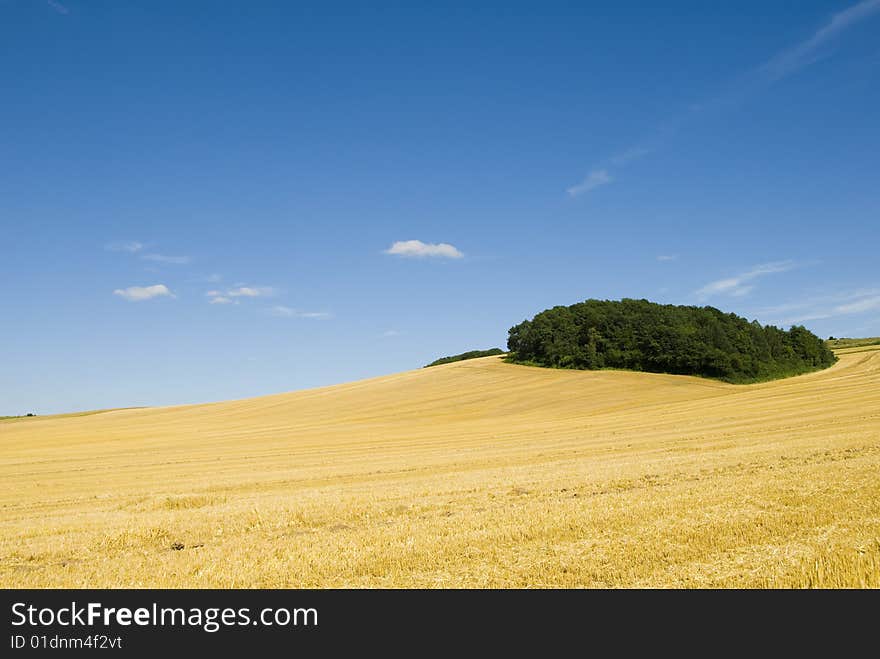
477,473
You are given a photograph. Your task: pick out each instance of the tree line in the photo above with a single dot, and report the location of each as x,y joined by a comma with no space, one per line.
471,354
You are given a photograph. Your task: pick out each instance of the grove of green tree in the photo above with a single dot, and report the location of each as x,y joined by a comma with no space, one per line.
662,338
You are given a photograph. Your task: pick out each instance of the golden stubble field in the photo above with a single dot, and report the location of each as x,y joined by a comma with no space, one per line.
473,474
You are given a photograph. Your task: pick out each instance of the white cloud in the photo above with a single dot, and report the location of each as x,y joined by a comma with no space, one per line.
58,7
626,157
387,334
784,63
131,246
140,293
416,248
821,307
742,291
720,286
804,318
804,53
736,286
865,304
251,291
287,312
233,295
595,179
667,257
206,279
161,258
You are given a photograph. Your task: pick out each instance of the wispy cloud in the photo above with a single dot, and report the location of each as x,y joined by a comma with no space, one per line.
601,173
667,257
795,58
629,155
595,179
214,278
288,312
130,246
233,295
418,249
161,258
738,285
735,91
785,62
841,303
387,334
57,6
865,304
137,247
251,291
141,293
283,312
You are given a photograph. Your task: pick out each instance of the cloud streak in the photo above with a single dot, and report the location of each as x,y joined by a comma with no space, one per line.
865,304
233,295
131,246
793,59
784,63
288,312
137,247
58,7
418,249
251,291
838,304
595,179
738,285
141,293
629,155
161,258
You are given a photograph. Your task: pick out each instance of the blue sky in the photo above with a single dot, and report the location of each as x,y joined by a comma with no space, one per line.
202,201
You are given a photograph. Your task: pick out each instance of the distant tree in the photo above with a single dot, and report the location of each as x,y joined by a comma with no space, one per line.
473,354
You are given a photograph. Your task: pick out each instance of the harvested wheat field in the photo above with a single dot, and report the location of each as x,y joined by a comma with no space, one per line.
473,474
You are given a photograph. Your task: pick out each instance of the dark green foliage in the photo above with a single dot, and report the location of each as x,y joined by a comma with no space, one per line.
643,336
473,354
